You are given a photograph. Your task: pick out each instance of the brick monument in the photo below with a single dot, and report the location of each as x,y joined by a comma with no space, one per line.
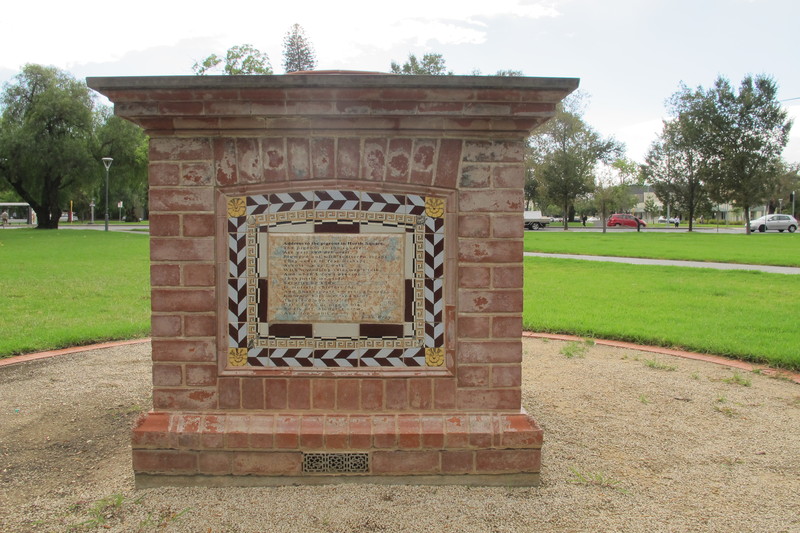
336,271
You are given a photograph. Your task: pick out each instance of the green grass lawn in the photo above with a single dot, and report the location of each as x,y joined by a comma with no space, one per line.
743,314
782,249
72,287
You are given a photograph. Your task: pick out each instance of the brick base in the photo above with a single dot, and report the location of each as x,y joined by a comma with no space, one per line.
481,449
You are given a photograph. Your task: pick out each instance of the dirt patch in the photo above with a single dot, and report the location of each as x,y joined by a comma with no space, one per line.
633,442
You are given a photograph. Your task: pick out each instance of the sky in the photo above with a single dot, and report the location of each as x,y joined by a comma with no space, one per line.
630,55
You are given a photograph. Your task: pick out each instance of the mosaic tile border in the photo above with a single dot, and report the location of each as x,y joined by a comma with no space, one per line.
416,342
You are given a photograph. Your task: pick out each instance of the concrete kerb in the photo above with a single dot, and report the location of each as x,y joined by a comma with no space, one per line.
733,363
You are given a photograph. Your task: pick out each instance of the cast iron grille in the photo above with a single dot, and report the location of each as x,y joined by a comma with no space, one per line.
336,463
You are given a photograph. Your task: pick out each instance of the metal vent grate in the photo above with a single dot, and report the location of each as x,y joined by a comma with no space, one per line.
336,463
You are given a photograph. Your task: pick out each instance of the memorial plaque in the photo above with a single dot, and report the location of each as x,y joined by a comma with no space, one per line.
336,278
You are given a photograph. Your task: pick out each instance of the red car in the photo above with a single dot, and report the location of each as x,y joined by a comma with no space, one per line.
621,219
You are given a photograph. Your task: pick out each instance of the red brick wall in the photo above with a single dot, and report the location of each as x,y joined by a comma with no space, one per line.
485,178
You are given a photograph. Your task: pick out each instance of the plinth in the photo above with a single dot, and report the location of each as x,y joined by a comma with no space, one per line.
336,277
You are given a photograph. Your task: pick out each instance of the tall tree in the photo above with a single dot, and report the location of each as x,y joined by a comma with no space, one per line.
127,144
565,152
431,64
739,136
298,54
45,138
239,59
673,164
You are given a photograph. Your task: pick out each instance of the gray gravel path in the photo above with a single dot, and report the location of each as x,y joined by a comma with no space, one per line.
633,442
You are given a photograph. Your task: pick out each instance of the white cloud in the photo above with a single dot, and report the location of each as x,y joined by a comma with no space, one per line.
638,137
105,31
792,151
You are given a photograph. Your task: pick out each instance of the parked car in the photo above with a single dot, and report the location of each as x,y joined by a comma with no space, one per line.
664,220
622,219
776,221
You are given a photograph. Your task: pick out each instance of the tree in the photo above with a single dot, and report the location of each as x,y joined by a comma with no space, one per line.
127,144
673,166
651,208
739,137
509,73
565,153
611,188
46,138
431,64
239,59
788,187
298,54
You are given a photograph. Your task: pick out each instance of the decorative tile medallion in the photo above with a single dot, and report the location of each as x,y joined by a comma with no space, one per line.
335,279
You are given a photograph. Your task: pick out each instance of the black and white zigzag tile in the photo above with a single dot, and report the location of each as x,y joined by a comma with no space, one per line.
382,358
237,224
382,203
292,357
257,204
258,357
415,204
291,201
434,225
336,358
434,255
434,300
237,255
414,357
237,335
342,200
237,300
434,334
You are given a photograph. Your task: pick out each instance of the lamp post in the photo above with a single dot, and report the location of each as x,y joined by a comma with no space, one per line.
107,163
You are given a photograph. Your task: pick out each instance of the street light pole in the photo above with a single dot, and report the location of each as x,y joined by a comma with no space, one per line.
107,163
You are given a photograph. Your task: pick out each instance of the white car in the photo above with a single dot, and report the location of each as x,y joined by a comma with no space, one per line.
776,221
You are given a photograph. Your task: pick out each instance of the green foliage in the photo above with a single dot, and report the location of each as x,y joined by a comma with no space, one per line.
66,288
738,379
51,140
127,144
655,364
298,54
574,349
695,308
564,154
431,64
673,166
239,59
738,137
508,73
46,138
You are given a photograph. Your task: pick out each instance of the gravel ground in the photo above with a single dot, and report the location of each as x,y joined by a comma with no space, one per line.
633,443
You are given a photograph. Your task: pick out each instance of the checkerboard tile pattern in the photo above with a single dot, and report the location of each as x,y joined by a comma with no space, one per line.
417,341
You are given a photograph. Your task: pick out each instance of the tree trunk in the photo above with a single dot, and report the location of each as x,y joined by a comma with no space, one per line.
566,212
603,215
746,219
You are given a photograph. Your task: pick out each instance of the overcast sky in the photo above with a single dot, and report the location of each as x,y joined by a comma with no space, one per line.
630,55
